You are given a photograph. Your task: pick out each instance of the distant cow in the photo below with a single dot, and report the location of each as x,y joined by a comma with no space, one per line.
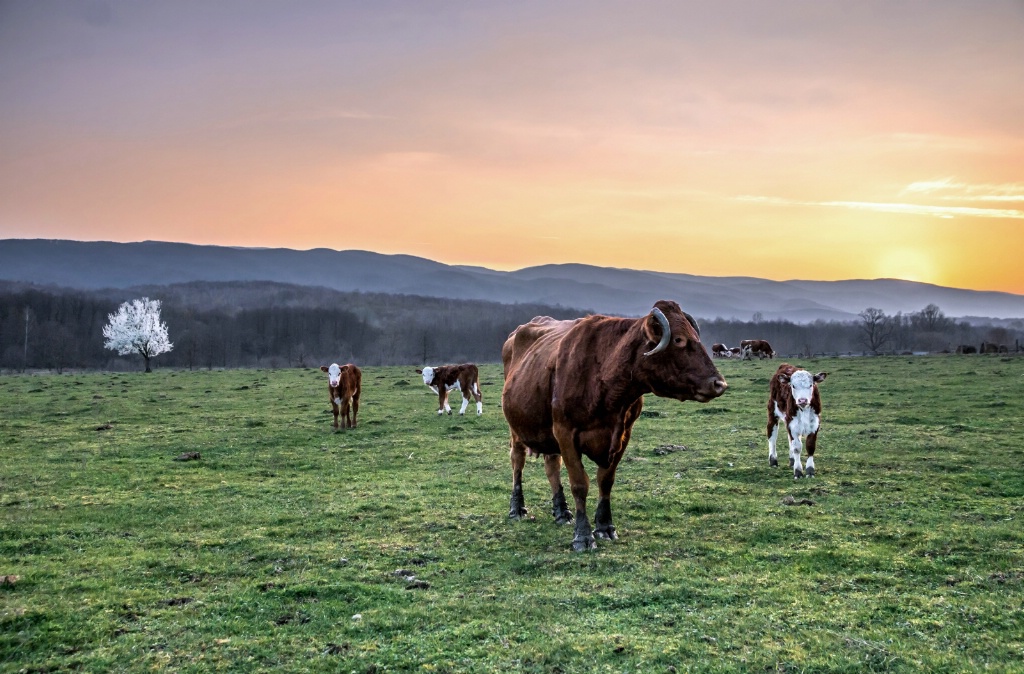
574,388
344,383
735,352
966,348
720,351
757,347
793,399
444,378
988,347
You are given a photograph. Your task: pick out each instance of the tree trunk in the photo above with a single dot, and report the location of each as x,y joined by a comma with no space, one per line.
146,358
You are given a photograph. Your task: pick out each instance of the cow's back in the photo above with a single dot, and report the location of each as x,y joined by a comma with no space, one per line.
529,356
540,329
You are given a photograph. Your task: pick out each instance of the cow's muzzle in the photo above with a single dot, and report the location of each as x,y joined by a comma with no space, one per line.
714,387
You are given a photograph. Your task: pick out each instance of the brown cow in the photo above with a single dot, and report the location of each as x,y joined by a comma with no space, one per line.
793,399
965,349
344,384
574,388
720,351
757,347
444,378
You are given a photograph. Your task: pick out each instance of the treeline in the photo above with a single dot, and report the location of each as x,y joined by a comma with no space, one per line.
231,325
272,325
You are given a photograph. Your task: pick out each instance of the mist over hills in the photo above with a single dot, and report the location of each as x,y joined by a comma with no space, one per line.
90,265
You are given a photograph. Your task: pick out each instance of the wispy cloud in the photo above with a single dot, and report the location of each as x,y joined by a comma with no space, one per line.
949,189
913,209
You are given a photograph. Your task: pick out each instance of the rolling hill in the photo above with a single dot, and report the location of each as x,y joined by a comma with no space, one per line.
89,265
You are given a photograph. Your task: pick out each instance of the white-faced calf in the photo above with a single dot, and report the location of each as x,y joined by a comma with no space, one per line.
444,378
793,399
344,383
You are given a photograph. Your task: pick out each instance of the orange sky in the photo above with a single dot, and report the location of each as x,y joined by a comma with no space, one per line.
813,140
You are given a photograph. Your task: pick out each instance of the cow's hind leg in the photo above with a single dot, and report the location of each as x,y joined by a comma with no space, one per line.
517,505
355,408
559,507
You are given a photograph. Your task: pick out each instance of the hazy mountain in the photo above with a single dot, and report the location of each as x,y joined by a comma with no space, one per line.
93,265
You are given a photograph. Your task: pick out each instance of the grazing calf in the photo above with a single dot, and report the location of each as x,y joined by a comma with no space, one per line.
793,399
735,352
756,347
444,378
344,384
720,351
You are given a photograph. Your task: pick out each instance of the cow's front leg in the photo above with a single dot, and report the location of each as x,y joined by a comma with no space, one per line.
579,484
516,504
335,410
811,442
794,456
442,401
559,507
603,517
465,404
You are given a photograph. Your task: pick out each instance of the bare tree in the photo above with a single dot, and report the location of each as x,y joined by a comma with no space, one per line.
875,328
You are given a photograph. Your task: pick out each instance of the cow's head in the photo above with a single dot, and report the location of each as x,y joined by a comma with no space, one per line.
678,366
333,373
428,375
801,384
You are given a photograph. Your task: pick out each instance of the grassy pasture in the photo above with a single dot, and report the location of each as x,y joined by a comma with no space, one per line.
291,547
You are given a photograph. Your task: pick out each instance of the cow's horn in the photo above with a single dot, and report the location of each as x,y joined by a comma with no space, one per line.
666,332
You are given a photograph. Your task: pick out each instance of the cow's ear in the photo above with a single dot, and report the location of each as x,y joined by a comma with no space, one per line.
323,368
784,378
419,371
820,376
652,329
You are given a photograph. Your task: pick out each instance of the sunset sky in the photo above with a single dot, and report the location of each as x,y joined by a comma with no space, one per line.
783,140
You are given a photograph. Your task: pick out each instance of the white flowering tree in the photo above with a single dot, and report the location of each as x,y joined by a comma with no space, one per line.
136,328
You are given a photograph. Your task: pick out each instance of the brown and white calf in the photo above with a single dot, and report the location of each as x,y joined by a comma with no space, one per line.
793,399
720,351
344,383
444,378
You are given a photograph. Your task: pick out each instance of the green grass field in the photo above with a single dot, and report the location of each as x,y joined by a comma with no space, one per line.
387,548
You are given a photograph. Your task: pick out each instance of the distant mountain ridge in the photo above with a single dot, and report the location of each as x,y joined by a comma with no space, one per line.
90,265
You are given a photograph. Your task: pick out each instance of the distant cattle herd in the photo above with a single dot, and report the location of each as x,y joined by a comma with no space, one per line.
747,349
574,389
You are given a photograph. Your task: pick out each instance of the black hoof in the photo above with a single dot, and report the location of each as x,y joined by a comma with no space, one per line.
810,472
449,412
584,544
563,518
607,533
517,513
773,462
797,474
